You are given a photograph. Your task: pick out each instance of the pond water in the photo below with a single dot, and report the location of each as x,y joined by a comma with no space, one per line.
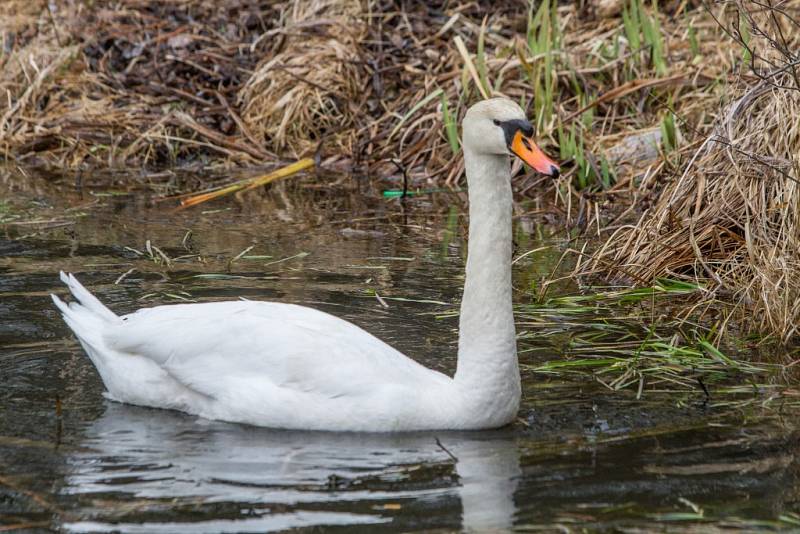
579,457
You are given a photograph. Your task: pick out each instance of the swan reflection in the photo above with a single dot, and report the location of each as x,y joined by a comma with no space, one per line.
284,479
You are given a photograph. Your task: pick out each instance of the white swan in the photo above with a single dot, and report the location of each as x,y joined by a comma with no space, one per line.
287,366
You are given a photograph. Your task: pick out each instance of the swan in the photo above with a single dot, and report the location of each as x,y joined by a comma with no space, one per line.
287,366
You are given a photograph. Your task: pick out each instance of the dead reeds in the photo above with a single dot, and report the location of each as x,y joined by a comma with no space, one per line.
732,214
308,91
142,84
378,87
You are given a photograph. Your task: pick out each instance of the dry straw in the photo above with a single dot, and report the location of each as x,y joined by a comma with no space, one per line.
204,84
732,216
309,90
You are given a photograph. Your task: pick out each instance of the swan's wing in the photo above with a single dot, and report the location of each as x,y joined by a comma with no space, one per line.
214,347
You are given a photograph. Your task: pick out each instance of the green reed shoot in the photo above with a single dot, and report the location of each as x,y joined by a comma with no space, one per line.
544,40
631,25
744,33
450,126
643,32
651,29
571,147
480,60
694,44
669,134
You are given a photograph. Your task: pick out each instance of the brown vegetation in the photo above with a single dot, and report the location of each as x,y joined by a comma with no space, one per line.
149,83
732,215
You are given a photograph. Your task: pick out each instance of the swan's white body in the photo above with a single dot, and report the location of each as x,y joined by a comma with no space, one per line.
288,366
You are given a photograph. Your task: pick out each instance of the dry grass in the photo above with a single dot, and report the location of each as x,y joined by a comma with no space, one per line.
196,83
148,85
732,215
307,92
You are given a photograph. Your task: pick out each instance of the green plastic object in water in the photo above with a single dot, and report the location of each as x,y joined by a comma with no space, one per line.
395,193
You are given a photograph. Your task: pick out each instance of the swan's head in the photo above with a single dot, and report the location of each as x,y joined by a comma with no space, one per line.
498,126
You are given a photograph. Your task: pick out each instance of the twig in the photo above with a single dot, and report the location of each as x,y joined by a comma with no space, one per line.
450,454
246,185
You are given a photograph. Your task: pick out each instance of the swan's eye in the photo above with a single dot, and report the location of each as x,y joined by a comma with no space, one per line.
496,122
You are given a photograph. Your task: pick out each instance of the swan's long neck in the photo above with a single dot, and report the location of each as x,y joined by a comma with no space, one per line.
487,351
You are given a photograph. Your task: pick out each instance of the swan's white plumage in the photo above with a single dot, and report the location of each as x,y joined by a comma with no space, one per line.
282,365
262,363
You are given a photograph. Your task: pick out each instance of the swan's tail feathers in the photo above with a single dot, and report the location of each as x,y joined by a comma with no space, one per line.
89,321
87,317
86,299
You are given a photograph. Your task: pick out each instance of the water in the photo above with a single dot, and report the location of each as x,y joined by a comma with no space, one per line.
580,456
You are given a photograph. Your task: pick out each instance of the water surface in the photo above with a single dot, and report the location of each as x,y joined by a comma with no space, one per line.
579,456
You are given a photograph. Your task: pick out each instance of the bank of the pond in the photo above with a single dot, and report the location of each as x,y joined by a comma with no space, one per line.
203,85
731,216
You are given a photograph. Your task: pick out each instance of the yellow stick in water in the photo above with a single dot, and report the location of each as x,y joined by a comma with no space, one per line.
250,183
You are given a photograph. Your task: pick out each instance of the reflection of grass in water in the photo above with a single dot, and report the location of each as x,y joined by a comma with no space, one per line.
450,231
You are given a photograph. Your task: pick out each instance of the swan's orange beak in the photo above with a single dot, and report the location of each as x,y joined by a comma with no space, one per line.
527,150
